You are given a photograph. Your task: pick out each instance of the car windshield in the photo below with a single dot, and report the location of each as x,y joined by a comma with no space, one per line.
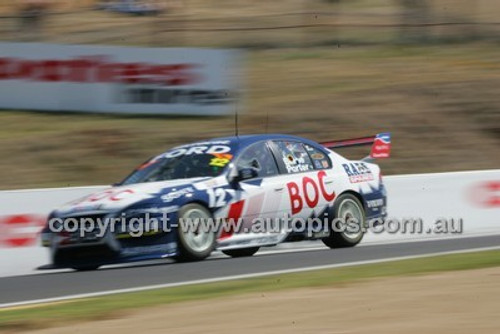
179,167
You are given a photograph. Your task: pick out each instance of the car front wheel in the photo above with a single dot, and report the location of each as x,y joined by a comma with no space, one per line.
195,241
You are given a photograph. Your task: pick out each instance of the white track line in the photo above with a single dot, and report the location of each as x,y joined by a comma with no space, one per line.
235,277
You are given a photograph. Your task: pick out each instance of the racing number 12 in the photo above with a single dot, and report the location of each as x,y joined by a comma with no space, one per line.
216,197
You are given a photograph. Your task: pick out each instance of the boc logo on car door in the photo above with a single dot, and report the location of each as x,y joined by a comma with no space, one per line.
308,181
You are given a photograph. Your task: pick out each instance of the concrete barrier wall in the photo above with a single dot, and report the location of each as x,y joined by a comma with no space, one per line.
469,197
22,215
472,197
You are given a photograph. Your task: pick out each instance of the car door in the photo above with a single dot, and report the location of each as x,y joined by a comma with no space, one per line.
264,193
308,178
258,199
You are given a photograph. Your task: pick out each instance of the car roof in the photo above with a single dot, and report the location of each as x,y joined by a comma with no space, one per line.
238,143
246,140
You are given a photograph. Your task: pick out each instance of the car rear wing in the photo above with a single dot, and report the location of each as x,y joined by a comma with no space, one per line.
381,145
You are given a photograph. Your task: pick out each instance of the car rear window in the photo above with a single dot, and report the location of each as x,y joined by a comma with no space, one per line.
319,159
294,157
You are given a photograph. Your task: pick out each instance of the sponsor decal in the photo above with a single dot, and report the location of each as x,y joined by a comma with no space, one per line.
358,172
295,165
212,183
319,160
201,149
113,195
308,192
318,164
111,79
294,157
175,194
486,194
149,94
317,156
375,203
381,146
221,159
100,69
20,230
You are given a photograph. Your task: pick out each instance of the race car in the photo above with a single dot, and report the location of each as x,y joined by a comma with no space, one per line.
233,194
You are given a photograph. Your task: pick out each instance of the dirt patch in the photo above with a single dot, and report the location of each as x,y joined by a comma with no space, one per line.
454,302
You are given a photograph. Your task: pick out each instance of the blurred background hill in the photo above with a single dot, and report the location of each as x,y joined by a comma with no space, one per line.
427,71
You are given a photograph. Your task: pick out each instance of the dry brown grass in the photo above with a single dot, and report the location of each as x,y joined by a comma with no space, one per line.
445,303
11,6
441,104
204,23
441,101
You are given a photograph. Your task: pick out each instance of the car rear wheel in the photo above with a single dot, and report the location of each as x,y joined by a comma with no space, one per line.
349,223
195,242
242,252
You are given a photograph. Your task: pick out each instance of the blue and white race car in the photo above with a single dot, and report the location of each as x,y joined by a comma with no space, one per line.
233,194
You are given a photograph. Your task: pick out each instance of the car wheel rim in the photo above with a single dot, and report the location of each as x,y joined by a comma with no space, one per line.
349,210
195,234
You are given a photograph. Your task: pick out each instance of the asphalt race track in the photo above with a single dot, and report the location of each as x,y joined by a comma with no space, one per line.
47,285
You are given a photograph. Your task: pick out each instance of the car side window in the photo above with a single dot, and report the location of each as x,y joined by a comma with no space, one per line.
294,157
319,159
259,157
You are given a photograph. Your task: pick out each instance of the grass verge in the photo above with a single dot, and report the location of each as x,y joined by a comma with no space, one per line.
50,315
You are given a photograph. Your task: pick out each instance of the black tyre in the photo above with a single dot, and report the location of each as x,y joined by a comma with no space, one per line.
242,252
350,219
194,244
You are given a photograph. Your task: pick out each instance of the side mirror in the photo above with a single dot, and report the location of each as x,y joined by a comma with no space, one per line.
247,173
237,175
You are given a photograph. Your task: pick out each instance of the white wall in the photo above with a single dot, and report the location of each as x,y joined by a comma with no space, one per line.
473,196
